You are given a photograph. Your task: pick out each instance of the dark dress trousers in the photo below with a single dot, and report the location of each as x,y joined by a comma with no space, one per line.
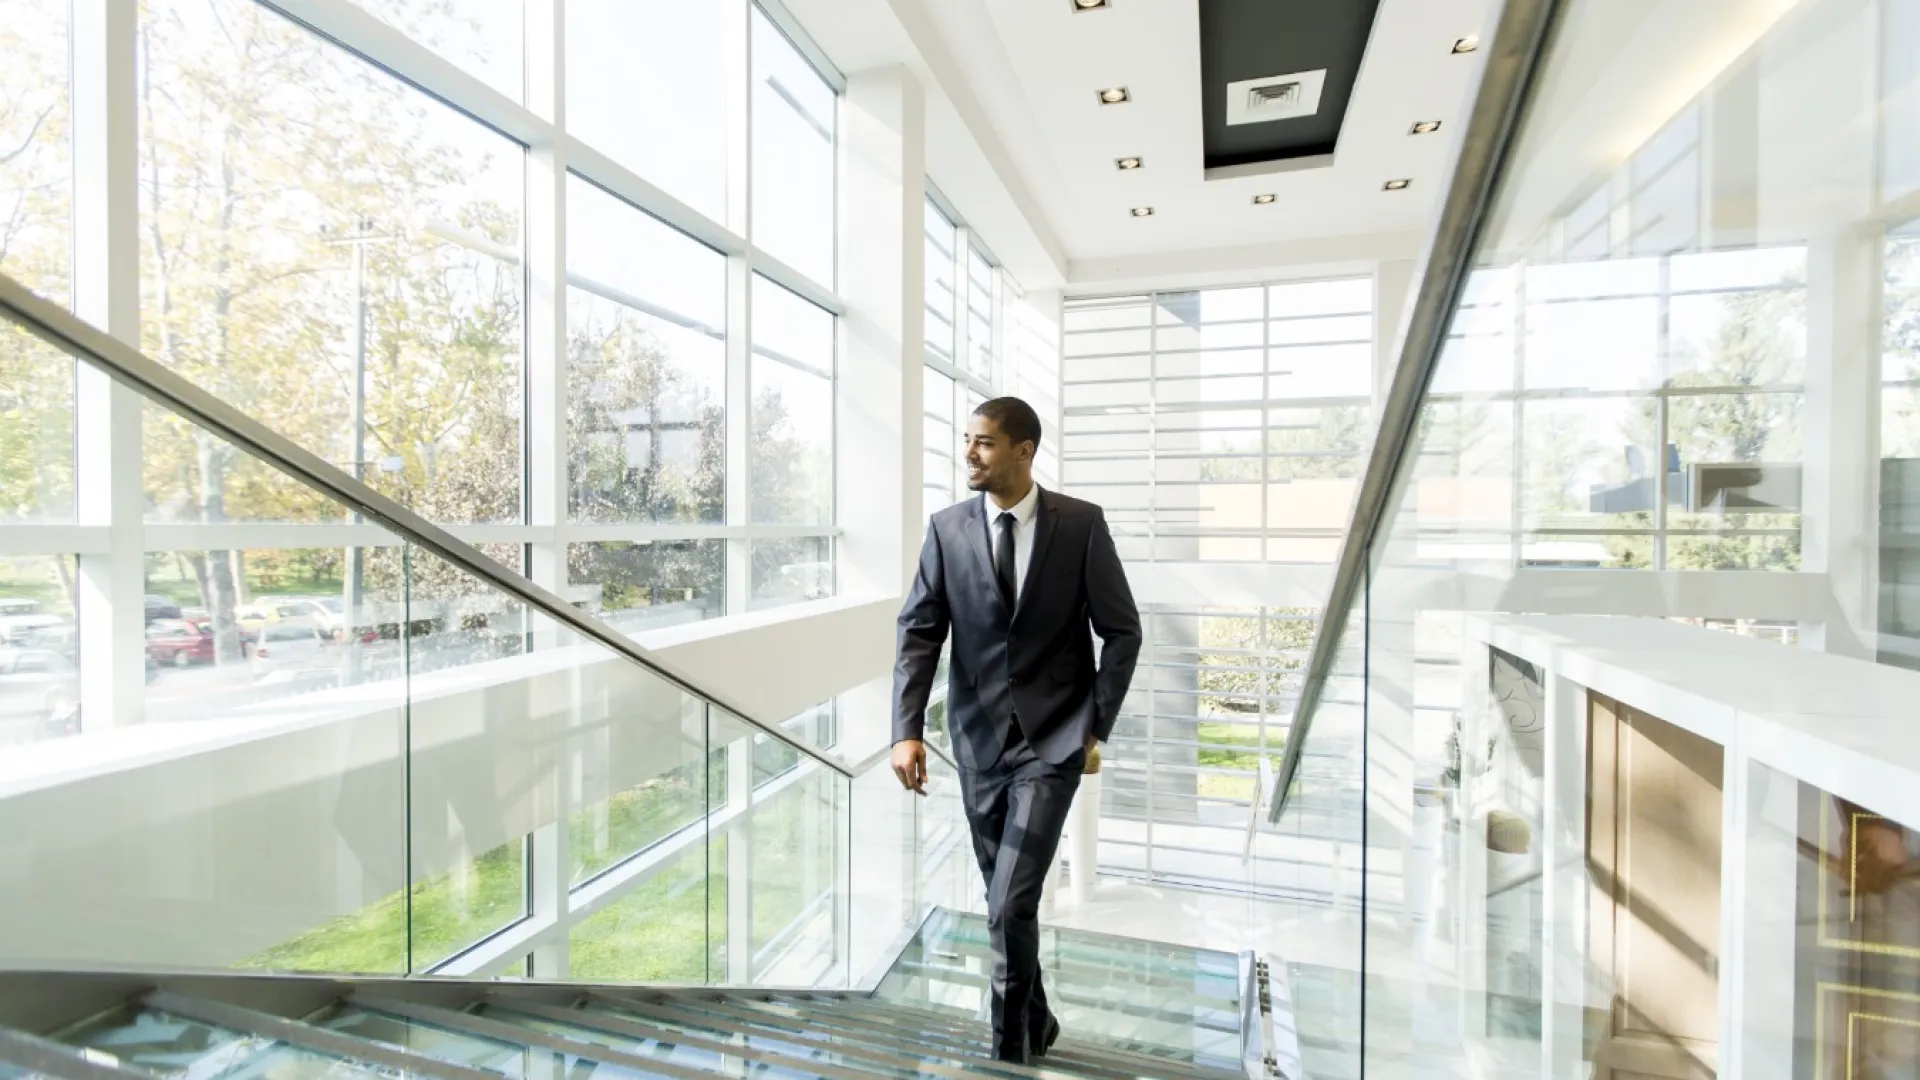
1024,693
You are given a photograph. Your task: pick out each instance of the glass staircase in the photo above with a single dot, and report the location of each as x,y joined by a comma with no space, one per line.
1131,1009
1163,1001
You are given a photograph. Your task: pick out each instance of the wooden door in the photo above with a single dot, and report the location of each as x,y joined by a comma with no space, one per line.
1653,844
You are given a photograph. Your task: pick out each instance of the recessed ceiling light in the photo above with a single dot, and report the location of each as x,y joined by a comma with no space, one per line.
1397,185
1142,211
1425,127
1127,164
1466,44
1262,200
1114,95
1090,5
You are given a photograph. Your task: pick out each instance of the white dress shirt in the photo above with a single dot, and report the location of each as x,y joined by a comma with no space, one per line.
1022,512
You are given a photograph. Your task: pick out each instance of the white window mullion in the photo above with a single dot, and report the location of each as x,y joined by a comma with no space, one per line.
739,391
107,423
547,434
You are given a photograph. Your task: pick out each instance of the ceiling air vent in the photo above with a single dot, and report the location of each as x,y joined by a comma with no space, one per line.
1275,97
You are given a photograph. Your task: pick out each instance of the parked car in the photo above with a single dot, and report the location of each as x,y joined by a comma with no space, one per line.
39,694
326,612
159,607
179,642
288,648
22,619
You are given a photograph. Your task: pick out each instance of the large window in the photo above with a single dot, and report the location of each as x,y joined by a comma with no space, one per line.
793,126
619,380
625,59
1225,425
646,367
1214,426
962,349
1648,396
36,248
333,252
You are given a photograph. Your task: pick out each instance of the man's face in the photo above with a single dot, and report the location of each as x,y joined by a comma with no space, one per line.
994,463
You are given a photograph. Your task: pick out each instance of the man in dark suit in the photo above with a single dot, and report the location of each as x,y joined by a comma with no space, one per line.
1020,576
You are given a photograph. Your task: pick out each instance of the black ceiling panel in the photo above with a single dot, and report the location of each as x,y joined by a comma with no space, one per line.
1251,39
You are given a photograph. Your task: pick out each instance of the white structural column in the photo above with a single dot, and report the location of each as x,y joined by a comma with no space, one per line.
546,373
878,432
882,270
739,390
1840,484
878,403
107,415
1392,286
1565,889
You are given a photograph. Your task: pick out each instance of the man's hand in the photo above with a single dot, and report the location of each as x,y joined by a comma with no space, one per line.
910,765
1092,741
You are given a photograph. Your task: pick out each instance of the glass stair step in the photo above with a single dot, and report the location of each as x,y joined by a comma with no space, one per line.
904,1061
1112,1052
579,1056
935,1030
917,1049
168,1034
30,1057
509,1059
1127,1021
725,1050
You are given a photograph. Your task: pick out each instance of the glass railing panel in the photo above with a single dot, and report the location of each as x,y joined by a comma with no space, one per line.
1145,996
1637,662
885,823
1311,861
242,789
1832,932
779,839
949,876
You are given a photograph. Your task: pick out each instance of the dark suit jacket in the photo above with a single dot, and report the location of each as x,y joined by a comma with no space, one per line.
1035,663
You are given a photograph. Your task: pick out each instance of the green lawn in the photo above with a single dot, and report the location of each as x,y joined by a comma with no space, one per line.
668,928
1231,735
450,912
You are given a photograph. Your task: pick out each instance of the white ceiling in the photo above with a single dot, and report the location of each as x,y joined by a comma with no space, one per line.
1012,93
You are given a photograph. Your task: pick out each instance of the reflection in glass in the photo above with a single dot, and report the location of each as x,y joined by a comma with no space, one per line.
39,649
36,159
942,244
790,471
980,315
36,430
646,371
485,37
648,584
793,139
790,571
232,632
623,52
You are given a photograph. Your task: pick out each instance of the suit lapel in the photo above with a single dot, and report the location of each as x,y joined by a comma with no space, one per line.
982,549
1045,516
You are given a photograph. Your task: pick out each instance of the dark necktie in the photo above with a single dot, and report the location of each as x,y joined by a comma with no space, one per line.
1003,561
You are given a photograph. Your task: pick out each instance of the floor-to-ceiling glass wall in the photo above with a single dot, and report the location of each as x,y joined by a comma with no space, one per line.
1222,430
1637,678
560,277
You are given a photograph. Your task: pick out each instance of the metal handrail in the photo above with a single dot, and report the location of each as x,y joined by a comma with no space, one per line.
131,368
1518,51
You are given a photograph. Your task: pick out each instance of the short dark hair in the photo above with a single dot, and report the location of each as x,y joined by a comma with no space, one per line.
1013,416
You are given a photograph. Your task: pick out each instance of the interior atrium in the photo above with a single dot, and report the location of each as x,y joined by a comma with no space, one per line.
462,461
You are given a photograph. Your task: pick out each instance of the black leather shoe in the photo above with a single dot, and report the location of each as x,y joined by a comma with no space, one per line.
1044,1042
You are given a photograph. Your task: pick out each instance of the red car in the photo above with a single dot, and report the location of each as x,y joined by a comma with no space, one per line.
179,642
